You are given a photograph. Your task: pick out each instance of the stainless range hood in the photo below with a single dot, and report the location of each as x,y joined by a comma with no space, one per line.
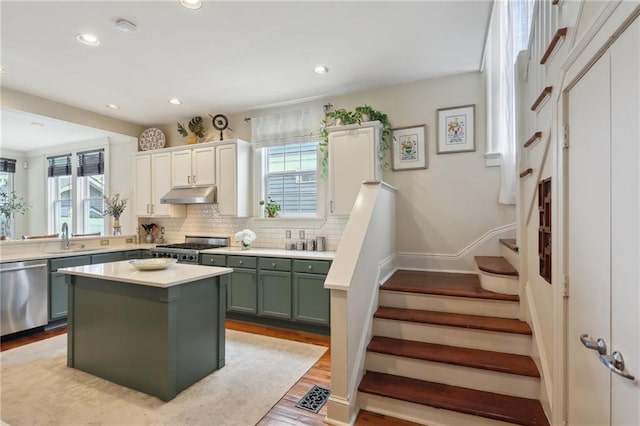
201,195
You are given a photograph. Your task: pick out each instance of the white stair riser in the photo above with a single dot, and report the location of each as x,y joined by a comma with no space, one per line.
504,284
512,256
455,375
457,305
421,414
454,336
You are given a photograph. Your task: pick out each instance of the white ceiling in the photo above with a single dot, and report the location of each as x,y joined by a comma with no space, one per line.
230,56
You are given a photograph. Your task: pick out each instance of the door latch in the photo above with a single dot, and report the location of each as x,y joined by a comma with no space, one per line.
599,345
615,363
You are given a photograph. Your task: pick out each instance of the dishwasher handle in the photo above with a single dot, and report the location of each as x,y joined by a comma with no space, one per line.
22,268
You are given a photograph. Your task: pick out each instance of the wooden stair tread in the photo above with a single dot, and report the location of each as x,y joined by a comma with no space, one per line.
495,265
479,322
510,243
475,358
522,411
442,284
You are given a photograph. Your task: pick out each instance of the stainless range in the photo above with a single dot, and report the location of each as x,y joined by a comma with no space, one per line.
189,251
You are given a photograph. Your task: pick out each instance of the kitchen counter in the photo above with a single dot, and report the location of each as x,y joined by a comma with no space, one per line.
55,252
269,252
123,272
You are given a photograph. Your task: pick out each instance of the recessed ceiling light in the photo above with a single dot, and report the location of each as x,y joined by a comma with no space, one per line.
191,4
88,39
175,101
113,106
126,26
37,124
321,69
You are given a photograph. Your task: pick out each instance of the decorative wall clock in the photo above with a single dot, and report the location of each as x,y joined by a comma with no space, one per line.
220,122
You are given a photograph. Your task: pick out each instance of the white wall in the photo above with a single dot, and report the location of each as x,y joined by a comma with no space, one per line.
449,205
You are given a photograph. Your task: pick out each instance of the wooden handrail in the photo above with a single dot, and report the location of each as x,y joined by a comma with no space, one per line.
560,34
545,92
532,139
527,172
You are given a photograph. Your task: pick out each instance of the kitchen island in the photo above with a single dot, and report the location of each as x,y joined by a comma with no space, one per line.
157,331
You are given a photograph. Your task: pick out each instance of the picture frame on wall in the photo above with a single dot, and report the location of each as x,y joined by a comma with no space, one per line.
409,148
456,129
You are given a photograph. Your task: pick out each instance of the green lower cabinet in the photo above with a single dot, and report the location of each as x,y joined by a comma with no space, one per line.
133,254
274,294
107,257
310,298
241,295
58,285
57,295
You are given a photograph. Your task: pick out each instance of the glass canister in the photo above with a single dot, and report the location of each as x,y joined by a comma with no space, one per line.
310,245
320,243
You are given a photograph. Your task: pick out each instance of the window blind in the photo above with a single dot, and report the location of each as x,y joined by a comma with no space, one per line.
59,165
91,163
7,165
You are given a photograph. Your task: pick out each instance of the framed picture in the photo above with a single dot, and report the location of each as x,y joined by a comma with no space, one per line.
409,148
456,129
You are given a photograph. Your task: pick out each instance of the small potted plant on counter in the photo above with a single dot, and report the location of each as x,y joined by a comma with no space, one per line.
196,125
271,208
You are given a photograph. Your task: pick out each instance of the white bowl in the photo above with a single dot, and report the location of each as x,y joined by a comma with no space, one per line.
152,264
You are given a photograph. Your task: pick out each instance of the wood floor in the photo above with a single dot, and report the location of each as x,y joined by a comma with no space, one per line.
284,412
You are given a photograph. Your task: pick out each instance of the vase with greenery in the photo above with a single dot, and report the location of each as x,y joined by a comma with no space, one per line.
10,204
196,125
271,208
342,117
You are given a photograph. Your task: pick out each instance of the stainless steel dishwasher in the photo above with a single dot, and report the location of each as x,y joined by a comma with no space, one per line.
23,295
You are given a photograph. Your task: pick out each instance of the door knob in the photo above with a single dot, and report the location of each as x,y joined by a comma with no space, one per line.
599,345
615,363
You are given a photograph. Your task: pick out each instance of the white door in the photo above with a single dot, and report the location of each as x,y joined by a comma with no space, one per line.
203,166
142,206
226,176
603,226
161,183
181,168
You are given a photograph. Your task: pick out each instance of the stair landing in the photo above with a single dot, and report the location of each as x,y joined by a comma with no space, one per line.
443,284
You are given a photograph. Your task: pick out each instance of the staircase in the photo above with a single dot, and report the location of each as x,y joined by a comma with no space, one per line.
447,351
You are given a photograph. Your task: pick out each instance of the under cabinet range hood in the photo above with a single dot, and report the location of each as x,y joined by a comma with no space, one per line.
200,195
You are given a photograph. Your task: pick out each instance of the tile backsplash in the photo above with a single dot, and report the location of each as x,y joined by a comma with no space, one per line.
203,219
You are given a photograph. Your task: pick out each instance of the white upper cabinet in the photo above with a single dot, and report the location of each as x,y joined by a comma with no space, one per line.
152,182
232,177
193,167
353,158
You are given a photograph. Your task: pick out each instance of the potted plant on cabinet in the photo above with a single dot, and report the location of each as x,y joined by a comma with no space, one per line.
271,208
196,125
342,117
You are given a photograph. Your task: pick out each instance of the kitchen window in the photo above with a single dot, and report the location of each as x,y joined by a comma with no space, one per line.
76,195
291,178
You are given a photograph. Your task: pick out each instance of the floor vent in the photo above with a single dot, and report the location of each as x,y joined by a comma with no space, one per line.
314,399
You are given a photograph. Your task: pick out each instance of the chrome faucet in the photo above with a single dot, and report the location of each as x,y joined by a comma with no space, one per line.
65,235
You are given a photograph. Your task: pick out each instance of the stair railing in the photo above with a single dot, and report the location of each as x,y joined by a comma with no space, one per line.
364,259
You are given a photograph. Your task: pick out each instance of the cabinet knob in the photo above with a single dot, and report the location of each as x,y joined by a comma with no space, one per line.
310,267
273,264
241,262
212,261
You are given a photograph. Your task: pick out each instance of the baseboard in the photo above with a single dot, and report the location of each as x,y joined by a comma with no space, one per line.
461,262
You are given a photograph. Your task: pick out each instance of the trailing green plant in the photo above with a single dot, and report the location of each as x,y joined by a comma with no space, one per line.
196,125
271,208
343,117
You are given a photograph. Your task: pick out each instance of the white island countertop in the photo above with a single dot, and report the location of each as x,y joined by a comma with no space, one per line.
176,274
271,252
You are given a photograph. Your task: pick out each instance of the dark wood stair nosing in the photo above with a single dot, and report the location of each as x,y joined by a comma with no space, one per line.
497,265
511,409
496,297
472,322
520,365
510,243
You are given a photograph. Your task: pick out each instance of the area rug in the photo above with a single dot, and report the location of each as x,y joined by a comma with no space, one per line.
38,387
